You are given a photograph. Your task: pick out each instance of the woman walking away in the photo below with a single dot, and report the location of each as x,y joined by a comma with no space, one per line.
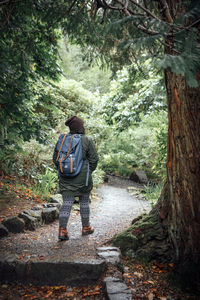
76,158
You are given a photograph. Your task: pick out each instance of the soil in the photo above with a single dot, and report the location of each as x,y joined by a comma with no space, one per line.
12,206
15,196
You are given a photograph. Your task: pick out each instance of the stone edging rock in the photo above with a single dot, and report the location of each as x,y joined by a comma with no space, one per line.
32,218
114,287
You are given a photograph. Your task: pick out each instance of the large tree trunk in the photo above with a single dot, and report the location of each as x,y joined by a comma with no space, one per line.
172,229
180,209
179,203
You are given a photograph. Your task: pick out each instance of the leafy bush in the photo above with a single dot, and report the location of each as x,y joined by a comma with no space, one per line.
34,159
133,94
98,177
142,146
45,184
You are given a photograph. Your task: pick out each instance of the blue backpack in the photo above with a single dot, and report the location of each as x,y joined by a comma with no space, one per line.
70,157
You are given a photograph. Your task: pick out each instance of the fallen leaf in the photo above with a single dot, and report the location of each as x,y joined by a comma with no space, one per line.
48,294
150,281
69,294
150,296
59,287
94,293
97,288
128,275
20,257
139,275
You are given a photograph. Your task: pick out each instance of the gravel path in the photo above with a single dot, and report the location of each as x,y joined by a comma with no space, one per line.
111,213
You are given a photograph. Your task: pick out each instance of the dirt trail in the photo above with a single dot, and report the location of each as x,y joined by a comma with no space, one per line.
110,214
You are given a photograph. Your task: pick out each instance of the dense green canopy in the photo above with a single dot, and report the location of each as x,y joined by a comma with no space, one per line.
30,32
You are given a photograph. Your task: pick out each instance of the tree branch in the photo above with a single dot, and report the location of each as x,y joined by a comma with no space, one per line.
110,6
64,13
146,10
193,24
4,2
145,30
9,1
139,26
166,11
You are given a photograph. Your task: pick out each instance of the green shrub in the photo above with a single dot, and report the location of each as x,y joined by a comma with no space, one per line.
45,184
98,177
33,160
142,146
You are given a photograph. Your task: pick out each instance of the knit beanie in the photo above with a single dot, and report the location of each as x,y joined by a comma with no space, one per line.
76,125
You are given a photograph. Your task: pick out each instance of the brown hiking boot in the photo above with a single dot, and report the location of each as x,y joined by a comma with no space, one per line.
87,230
63,234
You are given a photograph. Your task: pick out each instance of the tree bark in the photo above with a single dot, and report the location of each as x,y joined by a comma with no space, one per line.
179,202
179,208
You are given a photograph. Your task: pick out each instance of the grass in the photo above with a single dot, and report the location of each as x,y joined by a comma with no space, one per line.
152,192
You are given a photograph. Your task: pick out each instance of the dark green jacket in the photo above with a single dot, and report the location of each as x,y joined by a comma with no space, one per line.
76,186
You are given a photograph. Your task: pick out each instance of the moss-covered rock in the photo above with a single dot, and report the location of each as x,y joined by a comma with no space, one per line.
125,241
146,239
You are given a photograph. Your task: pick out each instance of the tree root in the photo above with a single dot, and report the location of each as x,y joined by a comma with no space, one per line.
146,239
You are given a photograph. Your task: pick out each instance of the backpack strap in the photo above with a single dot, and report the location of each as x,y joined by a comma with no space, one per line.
70,144
87,176
61,169
64,137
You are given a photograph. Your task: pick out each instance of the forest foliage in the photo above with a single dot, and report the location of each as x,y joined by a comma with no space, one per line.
46,77
138,141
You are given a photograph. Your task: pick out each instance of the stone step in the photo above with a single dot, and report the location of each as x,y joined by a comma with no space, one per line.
73,273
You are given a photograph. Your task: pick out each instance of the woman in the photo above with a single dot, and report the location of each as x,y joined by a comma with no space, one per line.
71,187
